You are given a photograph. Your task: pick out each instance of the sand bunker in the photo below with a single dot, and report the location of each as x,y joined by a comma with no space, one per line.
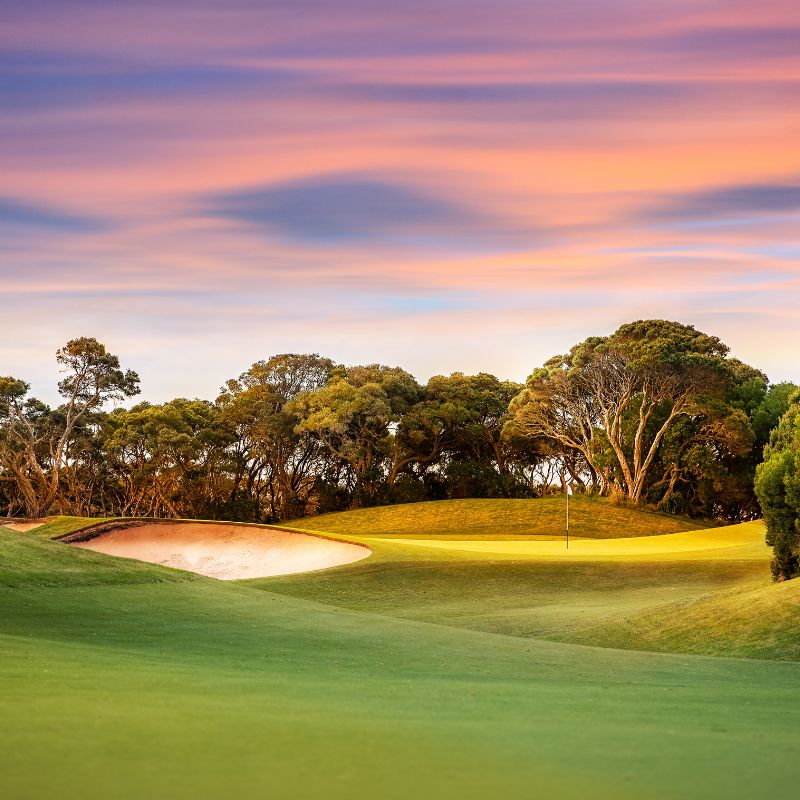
22,527
226,552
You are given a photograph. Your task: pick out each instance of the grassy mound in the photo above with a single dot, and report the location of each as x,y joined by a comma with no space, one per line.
54,527
590,517
757,619
630,593
30,559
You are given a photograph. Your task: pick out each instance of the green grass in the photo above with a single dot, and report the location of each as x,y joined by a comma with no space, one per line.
54,527
585,602
754,618
417,672
30,559
630,593
592,517
62,526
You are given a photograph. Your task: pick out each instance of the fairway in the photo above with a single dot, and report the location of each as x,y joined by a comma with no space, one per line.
437,667
674,592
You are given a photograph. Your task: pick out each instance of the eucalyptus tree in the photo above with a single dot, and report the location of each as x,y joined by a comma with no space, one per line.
168,459
706,465
477,407
479,456
275,463
355,415
34,439
417,439
613,400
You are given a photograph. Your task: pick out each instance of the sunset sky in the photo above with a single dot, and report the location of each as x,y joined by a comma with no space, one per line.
444,185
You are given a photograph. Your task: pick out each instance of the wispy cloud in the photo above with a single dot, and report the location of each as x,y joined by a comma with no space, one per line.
16,214
346,208
737,202
35,81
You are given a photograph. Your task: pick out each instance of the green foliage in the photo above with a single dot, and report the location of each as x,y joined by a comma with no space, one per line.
93,374
163,460
659,343
768,412
37,444
11,390
655,413
353,415
778,490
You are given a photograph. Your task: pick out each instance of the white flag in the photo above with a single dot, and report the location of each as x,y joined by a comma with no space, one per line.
569,489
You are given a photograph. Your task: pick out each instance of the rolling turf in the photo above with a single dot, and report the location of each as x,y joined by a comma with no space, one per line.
419,671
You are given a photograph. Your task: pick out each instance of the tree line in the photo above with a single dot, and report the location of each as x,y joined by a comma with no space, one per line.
657,413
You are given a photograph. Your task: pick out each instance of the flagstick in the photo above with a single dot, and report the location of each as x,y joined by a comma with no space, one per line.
568,519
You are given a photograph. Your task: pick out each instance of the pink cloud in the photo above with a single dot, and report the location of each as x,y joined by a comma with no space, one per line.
562,127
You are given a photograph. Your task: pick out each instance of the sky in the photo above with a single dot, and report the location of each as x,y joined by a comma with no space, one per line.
445,185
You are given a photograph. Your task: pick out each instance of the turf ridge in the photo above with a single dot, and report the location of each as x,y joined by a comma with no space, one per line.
590,517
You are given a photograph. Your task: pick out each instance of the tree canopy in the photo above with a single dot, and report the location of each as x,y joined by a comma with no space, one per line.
778,489
36,442
645,413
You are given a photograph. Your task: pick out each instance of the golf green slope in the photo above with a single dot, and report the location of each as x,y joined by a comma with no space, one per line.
402,674
673,591
593,517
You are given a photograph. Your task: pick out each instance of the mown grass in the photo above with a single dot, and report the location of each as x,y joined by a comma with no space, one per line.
629,593
745,541
592,517
197,688
756,618
518,598
63,526
30,559
54,527
417,672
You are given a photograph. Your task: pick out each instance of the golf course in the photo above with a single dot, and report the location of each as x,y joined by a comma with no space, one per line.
400,401
465,652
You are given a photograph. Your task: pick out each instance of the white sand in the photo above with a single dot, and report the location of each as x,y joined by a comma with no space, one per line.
227,552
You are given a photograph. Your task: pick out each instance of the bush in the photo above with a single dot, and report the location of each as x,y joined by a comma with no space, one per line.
778,491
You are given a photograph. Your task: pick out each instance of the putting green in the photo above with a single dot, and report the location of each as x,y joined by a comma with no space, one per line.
745,541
